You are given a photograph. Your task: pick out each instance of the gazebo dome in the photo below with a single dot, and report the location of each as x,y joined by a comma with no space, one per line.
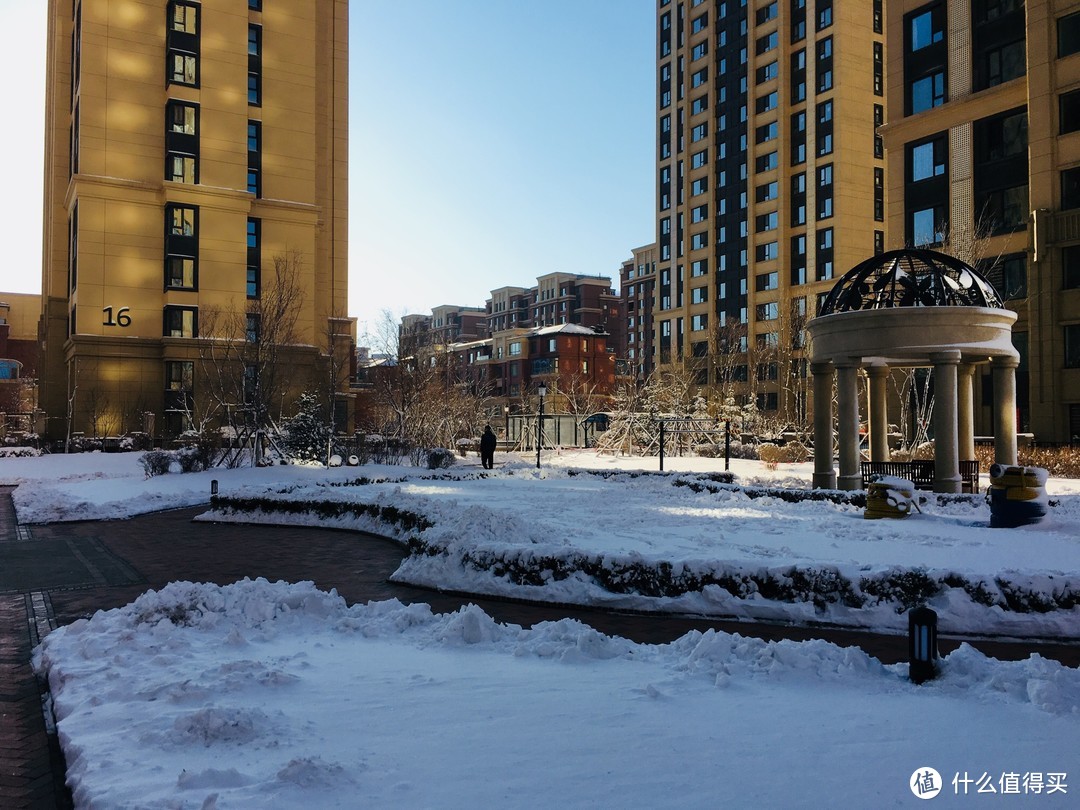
910,278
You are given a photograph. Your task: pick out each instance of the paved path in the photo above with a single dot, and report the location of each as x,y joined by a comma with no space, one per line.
57,573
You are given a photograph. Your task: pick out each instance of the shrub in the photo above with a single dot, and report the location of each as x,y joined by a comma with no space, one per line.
771,454
440,458
156,462
794,452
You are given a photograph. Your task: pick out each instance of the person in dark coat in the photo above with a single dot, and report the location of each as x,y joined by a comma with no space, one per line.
487,448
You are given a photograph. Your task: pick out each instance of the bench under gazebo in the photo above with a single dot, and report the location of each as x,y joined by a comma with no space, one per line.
910,309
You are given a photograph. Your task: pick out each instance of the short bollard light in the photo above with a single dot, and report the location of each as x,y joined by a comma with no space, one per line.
922,644
213,487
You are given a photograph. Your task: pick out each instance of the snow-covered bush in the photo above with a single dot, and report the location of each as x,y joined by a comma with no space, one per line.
19,452
156,462
440,458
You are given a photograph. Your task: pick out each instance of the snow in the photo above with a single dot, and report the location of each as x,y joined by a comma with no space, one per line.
265,694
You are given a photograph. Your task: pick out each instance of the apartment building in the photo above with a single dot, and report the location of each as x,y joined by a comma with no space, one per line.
637,281
983,137
195,153
770,174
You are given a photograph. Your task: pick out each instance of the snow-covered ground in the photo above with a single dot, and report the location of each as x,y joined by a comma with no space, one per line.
277,695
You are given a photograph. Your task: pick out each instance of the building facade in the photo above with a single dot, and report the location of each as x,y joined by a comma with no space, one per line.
770,177
196,168
637,281
983,137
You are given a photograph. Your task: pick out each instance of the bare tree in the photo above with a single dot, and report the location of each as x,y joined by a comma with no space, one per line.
247,354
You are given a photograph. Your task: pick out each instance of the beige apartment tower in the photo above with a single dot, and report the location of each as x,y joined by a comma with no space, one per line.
983,138
770,177
195,153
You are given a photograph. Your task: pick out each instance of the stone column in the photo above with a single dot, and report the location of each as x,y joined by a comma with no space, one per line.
946,448
847,420
879,413
1005,409
965,420
824,473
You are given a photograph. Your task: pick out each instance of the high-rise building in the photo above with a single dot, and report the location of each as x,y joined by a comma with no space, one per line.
196,154
770,177
983,137
637,277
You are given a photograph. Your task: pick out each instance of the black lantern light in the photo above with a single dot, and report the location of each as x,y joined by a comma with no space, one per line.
922,644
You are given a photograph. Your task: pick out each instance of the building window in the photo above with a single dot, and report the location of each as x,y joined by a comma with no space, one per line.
699,105
768,312
798,20
1068,29
699,23
824,65
699,186
768,72
1072,346
1070,265
879,194
180,273
181,247
699,50
252,327
181,322
699,267
824,255
767,281
767,43
699,132
254,257
927,226
699,323
927,159
824,128
767,191
1001,171
1069,112
767,132
699,240
255,5
767,162
927,92
767,252
825,191
879,69
699,159
182,43
766,13
926,27
798,76
767,102
255,64
179,375
699,213
767,222
997,42
183,68
1008,275
824,14
254,143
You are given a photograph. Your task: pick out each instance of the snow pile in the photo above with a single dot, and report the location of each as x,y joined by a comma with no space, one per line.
271,694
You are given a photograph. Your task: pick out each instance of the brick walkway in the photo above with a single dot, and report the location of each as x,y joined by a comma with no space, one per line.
97,566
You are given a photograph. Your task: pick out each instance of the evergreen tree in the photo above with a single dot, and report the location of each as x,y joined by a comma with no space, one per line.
308,432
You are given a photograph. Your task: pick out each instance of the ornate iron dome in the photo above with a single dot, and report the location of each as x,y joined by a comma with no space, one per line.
910,278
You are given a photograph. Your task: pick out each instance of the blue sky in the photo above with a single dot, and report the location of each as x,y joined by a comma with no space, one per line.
491,141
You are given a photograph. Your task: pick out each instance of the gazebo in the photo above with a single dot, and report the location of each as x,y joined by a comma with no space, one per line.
910,308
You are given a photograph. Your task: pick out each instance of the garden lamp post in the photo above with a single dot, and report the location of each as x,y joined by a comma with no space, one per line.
542,391
506,435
